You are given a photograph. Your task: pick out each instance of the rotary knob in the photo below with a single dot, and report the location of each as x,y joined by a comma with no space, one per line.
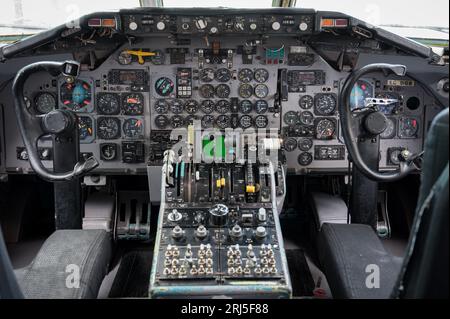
201,232
236,231
253,26
303,26
276,26
262,214
201,24
261,232
160,26
177,232
133,26
174,216
218,215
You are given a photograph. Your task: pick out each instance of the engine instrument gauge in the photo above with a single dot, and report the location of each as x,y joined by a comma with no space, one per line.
190,119
245,121
207,106
223,121
133,128
208,121
306,118
325,129
290,144
305,144
306,102
408,127
85,129
108,151
207,91
177,121
304,159
245,106
245,91
261,91
325,104
164,86
108,128
223,91
45,102
261,75
207,75
161,106
223,106
290,118
108,103
362,90
191,106
161,121
176,106
133,104
77,96
261,121
261,106
223,75
392,102
245,75
391,127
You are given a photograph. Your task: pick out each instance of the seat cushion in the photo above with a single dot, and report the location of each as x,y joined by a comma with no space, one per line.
64,255
347,254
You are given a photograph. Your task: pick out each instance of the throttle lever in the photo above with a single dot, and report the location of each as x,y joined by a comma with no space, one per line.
85,166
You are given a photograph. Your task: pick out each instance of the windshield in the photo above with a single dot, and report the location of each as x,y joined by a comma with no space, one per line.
31,16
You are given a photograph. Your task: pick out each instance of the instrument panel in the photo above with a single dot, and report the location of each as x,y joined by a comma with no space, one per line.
229,71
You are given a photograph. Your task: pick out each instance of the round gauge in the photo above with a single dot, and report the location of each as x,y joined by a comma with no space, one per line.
45,102
164,86
261,75
245,75
261,121
161,106
125,58
108,151
76,96
245,91
245,121
190,119
133,128
207,106
133,104
223,75
408,127
261,106
290,144
306,118
85,128
208,121
261,91
305,144
290,118
176,106
325,129
223,121
306,102
223,106
207,91
325,104
108,128
177,121
245,106
361,91
108,103
161,121
304,159
389,132
392,101
223,91
207,75
191,106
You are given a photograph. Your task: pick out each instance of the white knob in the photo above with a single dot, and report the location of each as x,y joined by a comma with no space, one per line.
276,26
253,26
303,26
262,214
133,26
213,30
160,26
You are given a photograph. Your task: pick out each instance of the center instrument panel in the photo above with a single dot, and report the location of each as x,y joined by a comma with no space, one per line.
246,71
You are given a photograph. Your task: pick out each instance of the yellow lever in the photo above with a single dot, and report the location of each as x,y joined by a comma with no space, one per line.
140,54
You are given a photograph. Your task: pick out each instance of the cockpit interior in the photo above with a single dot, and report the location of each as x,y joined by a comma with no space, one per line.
223,153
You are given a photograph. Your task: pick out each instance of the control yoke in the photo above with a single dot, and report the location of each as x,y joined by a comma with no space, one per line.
60,124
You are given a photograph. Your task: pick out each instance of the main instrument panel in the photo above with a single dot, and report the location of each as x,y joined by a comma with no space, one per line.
252,71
